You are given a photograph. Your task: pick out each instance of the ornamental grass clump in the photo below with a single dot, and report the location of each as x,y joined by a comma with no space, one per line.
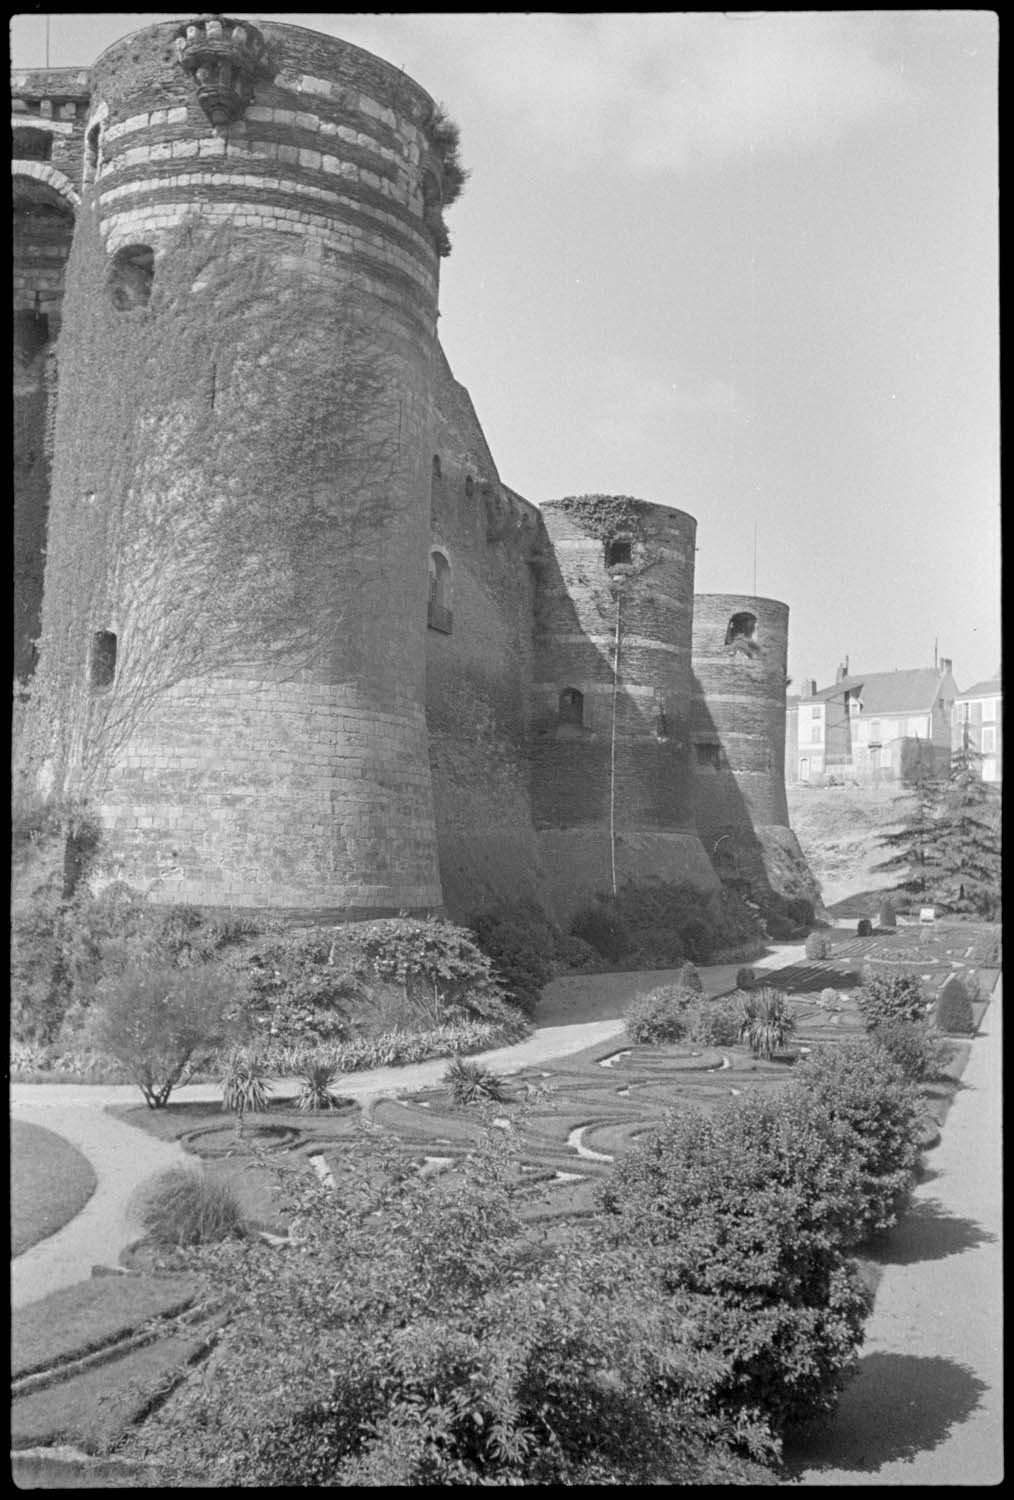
184,1208
767,1022
660,1016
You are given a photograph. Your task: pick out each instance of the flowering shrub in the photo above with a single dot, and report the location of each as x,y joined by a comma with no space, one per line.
661,1015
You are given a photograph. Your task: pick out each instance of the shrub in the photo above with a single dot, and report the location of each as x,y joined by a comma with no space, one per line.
727,1210
574,953
818,945
869,1111
864,927
469,1082
521,942
716,1023
954,1013
882,998
918,1051
830,999
660,1016
887,916
601,929
316,1085
298,991
440,1342
183,1207
688,978
780,928
245,1082
162,1022
746,979
766,1021
435,966
392,1048
39,993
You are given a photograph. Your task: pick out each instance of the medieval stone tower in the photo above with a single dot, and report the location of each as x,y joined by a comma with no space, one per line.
612,784
298,647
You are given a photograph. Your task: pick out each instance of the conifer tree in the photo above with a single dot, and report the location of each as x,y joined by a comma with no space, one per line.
913,844
968,840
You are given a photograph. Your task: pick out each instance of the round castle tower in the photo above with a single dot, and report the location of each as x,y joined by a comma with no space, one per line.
611,704
740,654
241,690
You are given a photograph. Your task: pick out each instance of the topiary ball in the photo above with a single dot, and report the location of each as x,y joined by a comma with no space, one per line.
954,1015
864,927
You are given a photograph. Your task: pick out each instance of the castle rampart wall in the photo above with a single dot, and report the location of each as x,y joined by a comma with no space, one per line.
479,665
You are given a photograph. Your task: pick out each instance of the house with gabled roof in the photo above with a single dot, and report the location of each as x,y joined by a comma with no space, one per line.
977,725
874,726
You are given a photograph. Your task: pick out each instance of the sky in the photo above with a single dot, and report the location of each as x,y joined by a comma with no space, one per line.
742,263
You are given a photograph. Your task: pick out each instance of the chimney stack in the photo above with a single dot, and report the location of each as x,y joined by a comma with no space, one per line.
843,671
946,664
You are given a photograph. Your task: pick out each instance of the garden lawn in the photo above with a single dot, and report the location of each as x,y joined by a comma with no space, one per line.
77,1320
50,1182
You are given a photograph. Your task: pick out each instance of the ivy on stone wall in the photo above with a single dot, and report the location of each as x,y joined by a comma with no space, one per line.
223,453
605,516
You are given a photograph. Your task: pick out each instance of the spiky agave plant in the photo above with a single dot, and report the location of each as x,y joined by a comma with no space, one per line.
767,1021
246,1082
316,1077
469,1082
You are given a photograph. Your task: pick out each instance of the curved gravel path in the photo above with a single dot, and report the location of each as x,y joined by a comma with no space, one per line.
576,1011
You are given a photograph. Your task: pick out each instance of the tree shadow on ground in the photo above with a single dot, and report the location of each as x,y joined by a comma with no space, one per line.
898,1407
928,1232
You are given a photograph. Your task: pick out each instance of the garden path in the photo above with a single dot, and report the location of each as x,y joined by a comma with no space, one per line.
576,1012
927,1404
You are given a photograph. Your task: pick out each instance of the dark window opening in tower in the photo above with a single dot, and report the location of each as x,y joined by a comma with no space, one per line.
618,552
31,336
131,277
31,145
571,707
469,486
709,753
92,151
103,664
438,612
437,471
742,633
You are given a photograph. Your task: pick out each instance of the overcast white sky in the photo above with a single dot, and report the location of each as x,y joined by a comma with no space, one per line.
743,264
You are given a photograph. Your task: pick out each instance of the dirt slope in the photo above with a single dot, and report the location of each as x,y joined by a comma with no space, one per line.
837,828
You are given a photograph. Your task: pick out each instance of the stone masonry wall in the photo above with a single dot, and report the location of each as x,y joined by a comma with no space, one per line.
479,670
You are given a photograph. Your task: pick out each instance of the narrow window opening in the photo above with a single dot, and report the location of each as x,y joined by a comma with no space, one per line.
709,753
618,553
437,471
92,151
571,707
469,486
438,614
103,666
131,277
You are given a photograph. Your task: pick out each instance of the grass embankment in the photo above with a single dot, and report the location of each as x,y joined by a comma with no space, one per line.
50,1182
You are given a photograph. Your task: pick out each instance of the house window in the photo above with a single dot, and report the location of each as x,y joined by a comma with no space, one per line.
709,753
816,733
804,768
618,552
816,713
916,727
103,659
438,612
975,713
988,746
742,631
131,277
570,707
874,731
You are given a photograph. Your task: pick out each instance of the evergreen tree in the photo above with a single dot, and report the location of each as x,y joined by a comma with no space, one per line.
948,845
913,844
968,840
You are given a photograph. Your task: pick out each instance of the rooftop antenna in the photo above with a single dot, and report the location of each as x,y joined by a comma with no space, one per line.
47,41
755,558
935,666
